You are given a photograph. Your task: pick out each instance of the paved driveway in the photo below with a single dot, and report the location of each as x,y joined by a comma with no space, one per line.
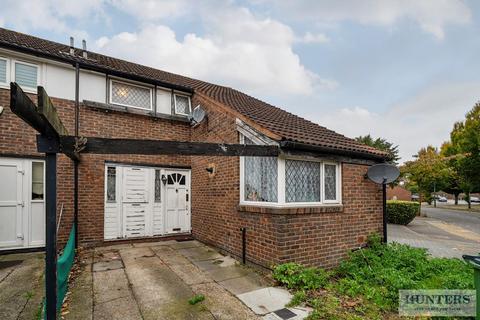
445,233
156,280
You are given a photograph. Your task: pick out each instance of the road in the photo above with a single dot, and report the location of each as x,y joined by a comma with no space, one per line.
444,232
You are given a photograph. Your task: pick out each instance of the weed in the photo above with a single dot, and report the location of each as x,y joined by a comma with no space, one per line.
196,299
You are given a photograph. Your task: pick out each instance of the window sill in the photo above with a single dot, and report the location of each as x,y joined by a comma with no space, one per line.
145,112
324,208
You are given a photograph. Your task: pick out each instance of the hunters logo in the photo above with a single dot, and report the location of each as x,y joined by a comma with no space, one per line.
437,303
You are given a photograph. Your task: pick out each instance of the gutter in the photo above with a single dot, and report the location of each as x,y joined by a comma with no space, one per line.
83,64
284,144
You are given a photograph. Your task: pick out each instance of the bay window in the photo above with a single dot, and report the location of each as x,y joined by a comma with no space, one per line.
288,181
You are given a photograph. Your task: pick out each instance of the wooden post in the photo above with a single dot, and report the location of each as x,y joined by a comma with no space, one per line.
51,237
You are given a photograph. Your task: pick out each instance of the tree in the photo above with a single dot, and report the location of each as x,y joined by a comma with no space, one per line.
381,144
463,152
428,172
454,180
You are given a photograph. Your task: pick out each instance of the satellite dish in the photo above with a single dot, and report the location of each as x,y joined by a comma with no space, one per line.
198,115
383,173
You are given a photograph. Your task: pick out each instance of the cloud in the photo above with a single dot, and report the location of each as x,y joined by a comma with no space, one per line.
309,37
425,119
48,15
238,49
154,9
431,15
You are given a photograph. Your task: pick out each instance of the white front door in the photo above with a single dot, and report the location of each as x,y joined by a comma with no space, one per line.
22,206
177,201
135,201
11,203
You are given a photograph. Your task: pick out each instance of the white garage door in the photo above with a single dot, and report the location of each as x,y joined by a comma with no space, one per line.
22,207
146,201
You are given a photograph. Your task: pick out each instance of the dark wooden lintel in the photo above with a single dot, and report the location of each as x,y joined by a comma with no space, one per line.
162,147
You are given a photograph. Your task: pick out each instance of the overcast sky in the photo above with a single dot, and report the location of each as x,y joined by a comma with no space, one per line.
404,70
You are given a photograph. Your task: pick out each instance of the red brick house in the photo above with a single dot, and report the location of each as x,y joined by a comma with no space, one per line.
311,204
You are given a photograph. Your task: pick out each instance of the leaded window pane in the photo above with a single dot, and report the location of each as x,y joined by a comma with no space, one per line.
26,75
158,186
260,177
111,184
302,181
3,71
182,104
330,182
130,95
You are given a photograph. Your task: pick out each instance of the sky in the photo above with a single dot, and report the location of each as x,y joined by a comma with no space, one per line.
403,70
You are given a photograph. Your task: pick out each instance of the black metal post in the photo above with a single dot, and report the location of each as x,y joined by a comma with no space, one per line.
51,237
244,244
75,163
384,201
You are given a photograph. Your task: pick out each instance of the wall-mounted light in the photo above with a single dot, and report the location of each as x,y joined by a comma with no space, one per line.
211,169
1,110
164,179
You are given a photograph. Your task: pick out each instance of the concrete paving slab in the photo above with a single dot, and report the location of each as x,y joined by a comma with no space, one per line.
169,255
154,243
114,247
222,304
186,244
21,289
190,274
110,285
225,273
107,265
160,293
124,308
265,300
250,282
200,253
81,298
107,255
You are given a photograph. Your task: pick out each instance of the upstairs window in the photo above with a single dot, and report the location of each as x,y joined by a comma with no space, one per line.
182,104
26,75
130,95
4,71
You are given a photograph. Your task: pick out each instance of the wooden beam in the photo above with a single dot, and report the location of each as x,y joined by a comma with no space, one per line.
52,145
162,147
48,111
25,109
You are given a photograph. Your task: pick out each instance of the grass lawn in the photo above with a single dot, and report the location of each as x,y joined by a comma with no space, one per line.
365,286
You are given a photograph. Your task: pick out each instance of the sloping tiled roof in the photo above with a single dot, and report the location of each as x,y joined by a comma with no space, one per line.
289,126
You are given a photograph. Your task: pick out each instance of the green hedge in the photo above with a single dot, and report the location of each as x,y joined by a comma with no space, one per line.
401,212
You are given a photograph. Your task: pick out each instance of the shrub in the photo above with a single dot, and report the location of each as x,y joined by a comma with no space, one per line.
378,272
298,277
401,212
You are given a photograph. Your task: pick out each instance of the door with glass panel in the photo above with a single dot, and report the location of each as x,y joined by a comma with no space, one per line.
135,201
22,208
177,201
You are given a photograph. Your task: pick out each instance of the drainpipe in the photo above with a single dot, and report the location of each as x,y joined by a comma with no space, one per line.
244,244
75,163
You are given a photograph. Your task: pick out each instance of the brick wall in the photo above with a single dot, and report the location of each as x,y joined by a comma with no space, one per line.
311,236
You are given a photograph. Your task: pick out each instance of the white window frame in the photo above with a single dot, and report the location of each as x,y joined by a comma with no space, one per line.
110,95
338,178
13,77
281,182
44,181
6,84
175,103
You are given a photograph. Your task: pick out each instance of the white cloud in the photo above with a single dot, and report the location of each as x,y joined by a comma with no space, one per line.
48,15
238,49
154,9
431,15
309,37
425,119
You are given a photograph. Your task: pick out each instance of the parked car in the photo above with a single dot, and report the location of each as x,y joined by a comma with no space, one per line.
415,197
475,199
441,198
